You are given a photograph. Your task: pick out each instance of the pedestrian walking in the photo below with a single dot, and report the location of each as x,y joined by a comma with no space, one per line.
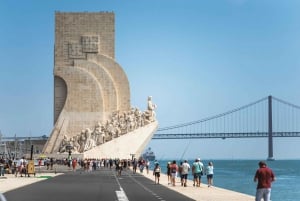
185,168
147,166
169,172
174,170
197,169
74,164
209,171
264,177
2,166
156,173
134,165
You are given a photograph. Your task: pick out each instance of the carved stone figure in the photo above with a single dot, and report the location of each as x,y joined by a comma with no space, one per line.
130,123
150,113
97,133
118,124
102,138
75,144
90,143
64,144
82,140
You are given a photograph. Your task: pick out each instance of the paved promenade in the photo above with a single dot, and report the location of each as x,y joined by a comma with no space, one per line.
202,193
104,184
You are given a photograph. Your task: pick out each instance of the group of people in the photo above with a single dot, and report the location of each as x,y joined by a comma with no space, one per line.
140,164
264,176
183,169
198,170
12,166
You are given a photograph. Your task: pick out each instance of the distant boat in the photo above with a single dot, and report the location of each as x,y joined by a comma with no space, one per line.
149,155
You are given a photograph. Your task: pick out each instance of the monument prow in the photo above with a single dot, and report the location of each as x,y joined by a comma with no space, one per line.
125,146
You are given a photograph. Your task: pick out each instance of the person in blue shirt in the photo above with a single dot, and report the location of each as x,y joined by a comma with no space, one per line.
197,169
209,174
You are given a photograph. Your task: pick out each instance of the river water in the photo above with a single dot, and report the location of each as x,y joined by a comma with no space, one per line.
237,175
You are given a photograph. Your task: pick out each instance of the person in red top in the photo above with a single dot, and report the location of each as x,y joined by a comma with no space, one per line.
264,177
74,164
174,170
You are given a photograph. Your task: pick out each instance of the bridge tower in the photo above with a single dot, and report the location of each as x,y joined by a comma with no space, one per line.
270,130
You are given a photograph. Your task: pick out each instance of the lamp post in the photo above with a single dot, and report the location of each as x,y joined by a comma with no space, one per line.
69,149
132,156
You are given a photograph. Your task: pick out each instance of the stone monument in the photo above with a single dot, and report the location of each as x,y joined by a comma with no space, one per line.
91,90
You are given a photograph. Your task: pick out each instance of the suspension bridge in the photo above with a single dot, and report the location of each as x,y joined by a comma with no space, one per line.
265,118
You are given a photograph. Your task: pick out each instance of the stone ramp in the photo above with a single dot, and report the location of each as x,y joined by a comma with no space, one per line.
124,146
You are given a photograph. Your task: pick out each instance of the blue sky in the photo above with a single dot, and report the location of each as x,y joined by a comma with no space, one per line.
196,58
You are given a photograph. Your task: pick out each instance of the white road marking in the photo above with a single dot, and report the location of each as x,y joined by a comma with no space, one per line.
121,195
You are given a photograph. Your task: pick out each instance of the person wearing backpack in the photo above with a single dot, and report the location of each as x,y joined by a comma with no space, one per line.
197,169
174,169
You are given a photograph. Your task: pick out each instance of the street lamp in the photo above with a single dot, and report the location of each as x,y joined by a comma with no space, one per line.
69,148
132,156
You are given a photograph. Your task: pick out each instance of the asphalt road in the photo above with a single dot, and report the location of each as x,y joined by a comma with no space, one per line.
99,185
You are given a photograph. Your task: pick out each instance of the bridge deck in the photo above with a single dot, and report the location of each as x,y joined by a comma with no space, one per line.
222,135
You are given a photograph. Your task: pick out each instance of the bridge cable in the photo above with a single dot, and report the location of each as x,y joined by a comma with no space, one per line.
213,117
285,102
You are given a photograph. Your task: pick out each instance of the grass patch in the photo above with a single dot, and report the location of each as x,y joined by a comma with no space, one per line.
45,177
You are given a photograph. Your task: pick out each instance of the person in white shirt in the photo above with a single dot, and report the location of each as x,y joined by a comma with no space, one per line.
21,167
156,173
184,172
210,174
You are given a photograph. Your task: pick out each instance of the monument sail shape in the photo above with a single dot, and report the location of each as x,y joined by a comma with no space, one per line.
92,111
